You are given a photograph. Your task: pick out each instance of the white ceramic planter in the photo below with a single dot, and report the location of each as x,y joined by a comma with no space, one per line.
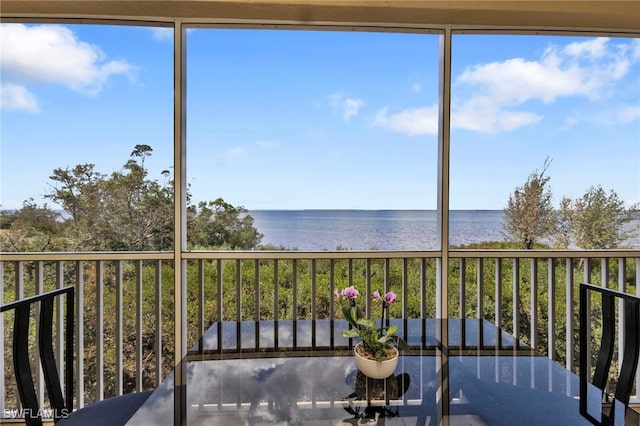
374,369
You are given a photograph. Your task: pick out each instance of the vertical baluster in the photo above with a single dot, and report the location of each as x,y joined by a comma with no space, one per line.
200,302
621,317
200,319
516,299
119,325
551,317
587,305
367,301
256,302
220,303
463,302
533,287
332,288
296,307
498,314
39,373
498,296
570,297
387,283
139,368
533,291
19,294
551,309
79,333
19,274
158,320
239,304
295,288
586,270
313,303
405,295
387,270
423,290
604,272
462,292
480,287
276,296
442,294
480,300
99,279
59,324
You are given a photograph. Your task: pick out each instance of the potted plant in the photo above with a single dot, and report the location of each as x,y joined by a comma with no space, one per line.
377,353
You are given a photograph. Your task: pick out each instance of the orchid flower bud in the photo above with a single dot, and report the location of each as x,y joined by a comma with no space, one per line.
376,295
390,297
350,292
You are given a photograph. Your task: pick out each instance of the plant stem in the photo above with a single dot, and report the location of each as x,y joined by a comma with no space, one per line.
384,305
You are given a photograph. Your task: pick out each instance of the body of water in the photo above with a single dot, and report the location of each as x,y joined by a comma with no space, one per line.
373,229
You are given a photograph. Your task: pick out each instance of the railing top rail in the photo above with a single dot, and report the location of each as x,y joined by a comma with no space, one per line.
545,254
95,255
337,254
294,254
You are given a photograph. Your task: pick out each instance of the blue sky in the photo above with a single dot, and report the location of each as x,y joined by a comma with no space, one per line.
309,119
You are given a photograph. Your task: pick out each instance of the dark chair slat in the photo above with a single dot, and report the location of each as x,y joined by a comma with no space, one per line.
605,353
631,351
69,354
22,367
47,357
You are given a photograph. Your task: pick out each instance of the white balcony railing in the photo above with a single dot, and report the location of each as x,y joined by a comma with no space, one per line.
125,305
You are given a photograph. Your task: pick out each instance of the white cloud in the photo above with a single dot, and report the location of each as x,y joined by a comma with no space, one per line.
267,145
411,121
52,54
635,49
416,88
482,114
595,48
586,69
15,98
516,81
162,34
234,153
571,121
628,114
351,107
347,107
511,120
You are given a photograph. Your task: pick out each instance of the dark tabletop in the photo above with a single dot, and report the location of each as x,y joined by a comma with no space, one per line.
482,376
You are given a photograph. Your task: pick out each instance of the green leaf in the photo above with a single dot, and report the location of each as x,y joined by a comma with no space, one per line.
346,312
402,345
368,323
351,333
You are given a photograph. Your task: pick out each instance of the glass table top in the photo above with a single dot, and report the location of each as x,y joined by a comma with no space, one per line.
482,376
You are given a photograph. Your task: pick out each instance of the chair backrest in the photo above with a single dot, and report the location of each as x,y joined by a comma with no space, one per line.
631,335
60,405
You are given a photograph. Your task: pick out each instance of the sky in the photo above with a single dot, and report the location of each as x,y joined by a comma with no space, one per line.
292,119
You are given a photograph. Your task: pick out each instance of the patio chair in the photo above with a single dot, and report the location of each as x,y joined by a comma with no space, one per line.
629,362
112,411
